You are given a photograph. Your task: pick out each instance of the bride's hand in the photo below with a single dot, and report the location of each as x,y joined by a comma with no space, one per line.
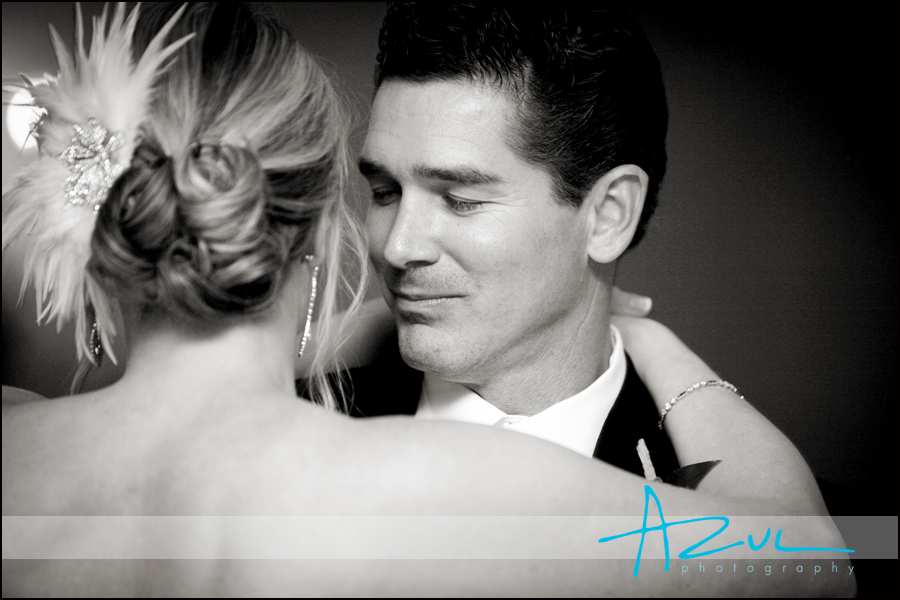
627,304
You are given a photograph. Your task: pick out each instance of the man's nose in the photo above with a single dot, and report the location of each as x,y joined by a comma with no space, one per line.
412,238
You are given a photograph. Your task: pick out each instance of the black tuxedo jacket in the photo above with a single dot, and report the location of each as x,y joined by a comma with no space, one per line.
390,387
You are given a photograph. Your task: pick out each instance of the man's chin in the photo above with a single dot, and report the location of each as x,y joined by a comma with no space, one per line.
426,349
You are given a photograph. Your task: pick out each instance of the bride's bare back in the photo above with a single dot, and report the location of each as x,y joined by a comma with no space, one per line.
105,453
108,455
320,477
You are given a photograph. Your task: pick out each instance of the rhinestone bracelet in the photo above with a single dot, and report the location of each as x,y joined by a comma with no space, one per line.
671,403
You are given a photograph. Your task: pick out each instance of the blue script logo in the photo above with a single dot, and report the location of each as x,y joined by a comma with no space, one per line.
688,553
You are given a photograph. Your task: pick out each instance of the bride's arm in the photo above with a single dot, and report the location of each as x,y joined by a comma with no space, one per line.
713,423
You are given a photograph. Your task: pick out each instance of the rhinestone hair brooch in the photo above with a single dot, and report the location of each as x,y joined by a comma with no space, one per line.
91,169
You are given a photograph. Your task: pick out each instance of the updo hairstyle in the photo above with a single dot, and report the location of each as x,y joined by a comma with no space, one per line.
241,167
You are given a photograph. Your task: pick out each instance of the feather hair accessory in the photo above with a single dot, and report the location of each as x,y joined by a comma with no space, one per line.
92,112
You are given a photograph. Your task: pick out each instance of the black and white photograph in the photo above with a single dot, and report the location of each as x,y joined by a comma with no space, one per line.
417,299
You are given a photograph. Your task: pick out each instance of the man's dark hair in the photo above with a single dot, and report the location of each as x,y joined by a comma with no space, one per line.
586,81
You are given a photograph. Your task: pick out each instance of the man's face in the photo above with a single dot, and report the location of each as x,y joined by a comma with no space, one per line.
483,270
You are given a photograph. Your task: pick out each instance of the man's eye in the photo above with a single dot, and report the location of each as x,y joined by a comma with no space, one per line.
385,196
460,205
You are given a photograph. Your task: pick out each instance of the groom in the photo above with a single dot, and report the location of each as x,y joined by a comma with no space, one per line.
514,154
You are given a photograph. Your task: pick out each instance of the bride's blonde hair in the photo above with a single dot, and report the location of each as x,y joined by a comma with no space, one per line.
240,170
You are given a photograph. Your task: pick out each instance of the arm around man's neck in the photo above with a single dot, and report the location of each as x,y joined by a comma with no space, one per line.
713,423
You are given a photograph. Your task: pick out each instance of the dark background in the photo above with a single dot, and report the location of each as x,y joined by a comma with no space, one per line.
773,253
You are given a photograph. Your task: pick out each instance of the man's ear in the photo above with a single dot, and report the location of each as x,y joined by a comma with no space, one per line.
614,208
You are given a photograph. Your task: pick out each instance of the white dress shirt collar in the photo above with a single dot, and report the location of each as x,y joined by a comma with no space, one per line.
574,423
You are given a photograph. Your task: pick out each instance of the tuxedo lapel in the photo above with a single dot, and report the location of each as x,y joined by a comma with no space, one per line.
632,417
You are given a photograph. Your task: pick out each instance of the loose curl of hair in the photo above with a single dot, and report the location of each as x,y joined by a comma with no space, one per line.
240,170
587,83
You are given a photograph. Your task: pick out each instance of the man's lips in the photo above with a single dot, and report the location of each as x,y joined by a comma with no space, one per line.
416,296
417,306
415,299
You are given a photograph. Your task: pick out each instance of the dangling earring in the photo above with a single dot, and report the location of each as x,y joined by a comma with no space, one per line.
96,347
312,305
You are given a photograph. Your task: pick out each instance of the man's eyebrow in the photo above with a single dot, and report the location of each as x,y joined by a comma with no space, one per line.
461,175
369,168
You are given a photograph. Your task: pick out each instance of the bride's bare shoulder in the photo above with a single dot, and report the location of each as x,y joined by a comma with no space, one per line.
22,412
13,396
398,465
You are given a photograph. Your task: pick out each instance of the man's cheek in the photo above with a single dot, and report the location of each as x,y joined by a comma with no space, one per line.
378,226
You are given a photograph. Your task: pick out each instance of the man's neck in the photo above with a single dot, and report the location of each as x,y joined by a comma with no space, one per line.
560,367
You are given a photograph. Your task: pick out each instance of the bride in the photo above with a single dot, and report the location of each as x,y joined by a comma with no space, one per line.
198,190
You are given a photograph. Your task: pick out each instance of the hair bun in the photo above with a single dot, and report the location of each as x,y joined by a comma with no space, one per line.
226,258
208,169
195,230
